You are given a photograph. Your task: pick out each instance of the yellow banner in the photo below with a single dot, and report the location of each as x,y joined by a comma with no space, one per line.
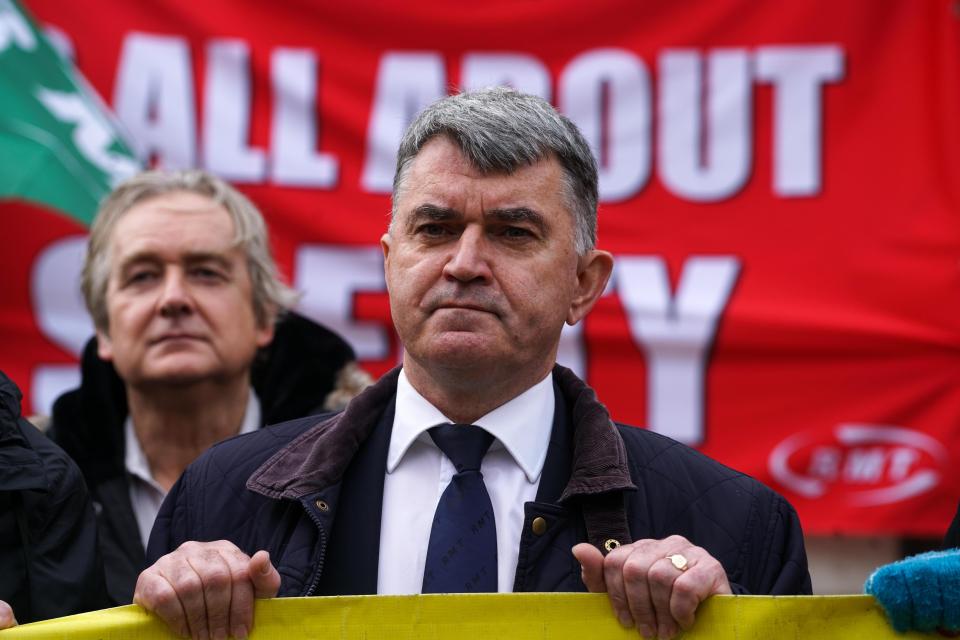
547,616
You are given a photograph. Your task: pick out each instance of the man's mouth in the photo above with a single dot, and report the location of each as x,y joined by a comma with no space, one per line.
173,337
465,307
472,307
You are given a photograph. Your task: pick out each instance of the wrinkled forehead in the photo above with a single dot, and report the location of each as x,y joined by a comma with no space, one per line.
443,180
174,223
174,202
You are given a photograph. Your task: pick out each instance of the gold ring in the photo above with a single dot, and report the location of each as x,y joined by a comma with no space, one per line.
679,561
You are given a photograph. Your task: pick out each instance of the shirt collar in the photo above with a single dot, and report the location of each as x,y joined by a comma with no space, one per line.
522,426
136,460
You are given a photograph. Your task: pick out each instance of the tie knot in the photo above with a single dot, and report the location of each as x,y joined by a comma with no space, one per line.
464,444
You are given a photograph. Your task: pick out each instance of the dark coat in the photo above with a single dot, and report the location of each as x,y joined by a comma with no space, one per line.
310,492
49,562
952,538
291,377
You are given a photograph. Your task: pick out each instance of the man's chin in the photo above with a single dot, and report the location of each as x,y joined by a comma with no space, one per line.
181,372
466,351
177,379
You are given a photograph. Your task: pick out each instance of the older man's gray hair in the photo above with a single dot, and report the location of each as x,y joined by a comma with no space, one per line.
500,130
270,295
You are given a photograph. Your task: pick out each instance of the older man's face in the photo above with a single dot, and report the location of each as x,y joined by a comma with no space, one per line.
179,297
481,269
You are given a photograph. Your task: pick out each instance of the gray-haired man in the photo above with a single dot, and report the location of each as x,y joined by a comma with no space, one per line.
185,299
489,252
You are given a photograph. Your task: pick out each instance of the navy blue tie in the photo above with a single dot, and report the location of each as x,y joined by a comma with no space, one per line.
462,554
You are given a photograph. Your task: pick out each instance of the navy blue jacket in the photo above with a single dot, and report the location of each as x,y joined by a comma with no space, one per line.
310,492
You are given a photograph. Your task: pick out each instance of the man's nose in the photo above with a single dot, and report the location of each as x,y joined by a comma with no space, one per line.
469,260
175,297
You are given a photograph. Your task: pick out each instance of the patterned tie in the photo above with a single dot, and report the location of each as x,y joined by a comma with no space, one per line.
462,554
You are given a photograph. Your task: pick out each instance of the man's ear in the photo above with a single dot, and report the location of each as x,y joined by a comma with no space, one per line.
104,346
385,241
265,331
593,272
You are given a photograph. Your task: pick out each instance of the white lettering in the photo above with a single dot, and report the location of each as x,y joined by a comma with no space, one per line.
226,114
676,333
798,75
153,98
864,466
57,302
825,463
14,29
92,135
61,316
294,129
522,72
901,463
329,277
61,42
607,94
406,83
711,167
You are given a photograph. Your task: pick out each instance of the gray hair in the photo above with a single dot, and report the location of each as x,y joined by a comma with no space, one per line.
270,295
500,130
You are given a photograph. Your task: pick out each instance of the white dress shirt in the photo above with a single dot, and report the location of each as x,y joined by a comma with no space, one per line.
417,474
146,494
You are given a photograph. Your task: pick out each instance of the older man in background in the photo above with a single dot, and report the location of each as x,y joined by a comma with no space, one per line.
193,344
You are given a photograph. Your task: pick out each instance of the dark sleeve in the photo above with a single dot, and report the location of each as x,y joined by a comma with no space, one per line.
953,533
778,563
749,528
66,572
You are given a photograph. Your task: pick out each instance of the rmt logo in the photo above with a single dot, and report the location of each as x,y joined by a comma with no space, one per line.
871,464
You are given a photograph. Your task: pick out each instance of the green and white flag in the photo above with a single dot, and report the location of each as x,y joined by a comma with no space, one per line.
59,145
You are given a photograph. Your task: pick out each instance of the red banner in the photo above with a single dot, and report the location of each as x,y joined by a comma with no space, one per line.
778,184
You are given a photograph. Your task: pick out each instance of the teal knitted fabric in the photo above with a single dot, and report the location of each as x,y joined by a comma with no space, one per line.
921,592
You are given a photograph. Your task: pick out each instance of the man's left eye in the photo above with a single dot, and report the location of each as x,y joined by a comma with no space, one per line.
517,232
206,273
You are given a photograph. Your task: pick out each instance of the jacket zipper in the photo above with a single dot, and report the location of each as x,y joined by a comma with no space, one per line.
323,552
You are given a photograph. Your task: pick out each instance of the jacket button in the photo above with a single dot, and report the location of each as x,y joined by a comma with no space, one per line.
611,544
323,506
539,526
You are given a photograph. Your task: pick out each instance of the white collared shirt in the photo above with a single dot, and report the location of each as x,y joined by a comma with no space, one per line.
146,494
418,472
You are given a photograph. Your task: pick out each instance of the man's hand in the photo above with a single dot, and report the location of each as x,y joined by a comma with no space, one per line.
6,616
646,589
206,589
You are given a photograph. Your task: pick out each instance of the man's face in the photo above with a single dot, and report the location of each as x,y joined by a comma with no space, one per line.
481,269
179,297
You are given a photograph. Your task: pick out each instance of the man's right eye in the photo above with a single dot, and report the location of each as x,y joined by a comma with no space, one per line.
431,230
140,277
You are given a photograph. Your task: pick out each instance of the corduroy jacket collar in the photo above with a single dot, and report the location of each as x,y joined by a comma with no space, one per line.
319,457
